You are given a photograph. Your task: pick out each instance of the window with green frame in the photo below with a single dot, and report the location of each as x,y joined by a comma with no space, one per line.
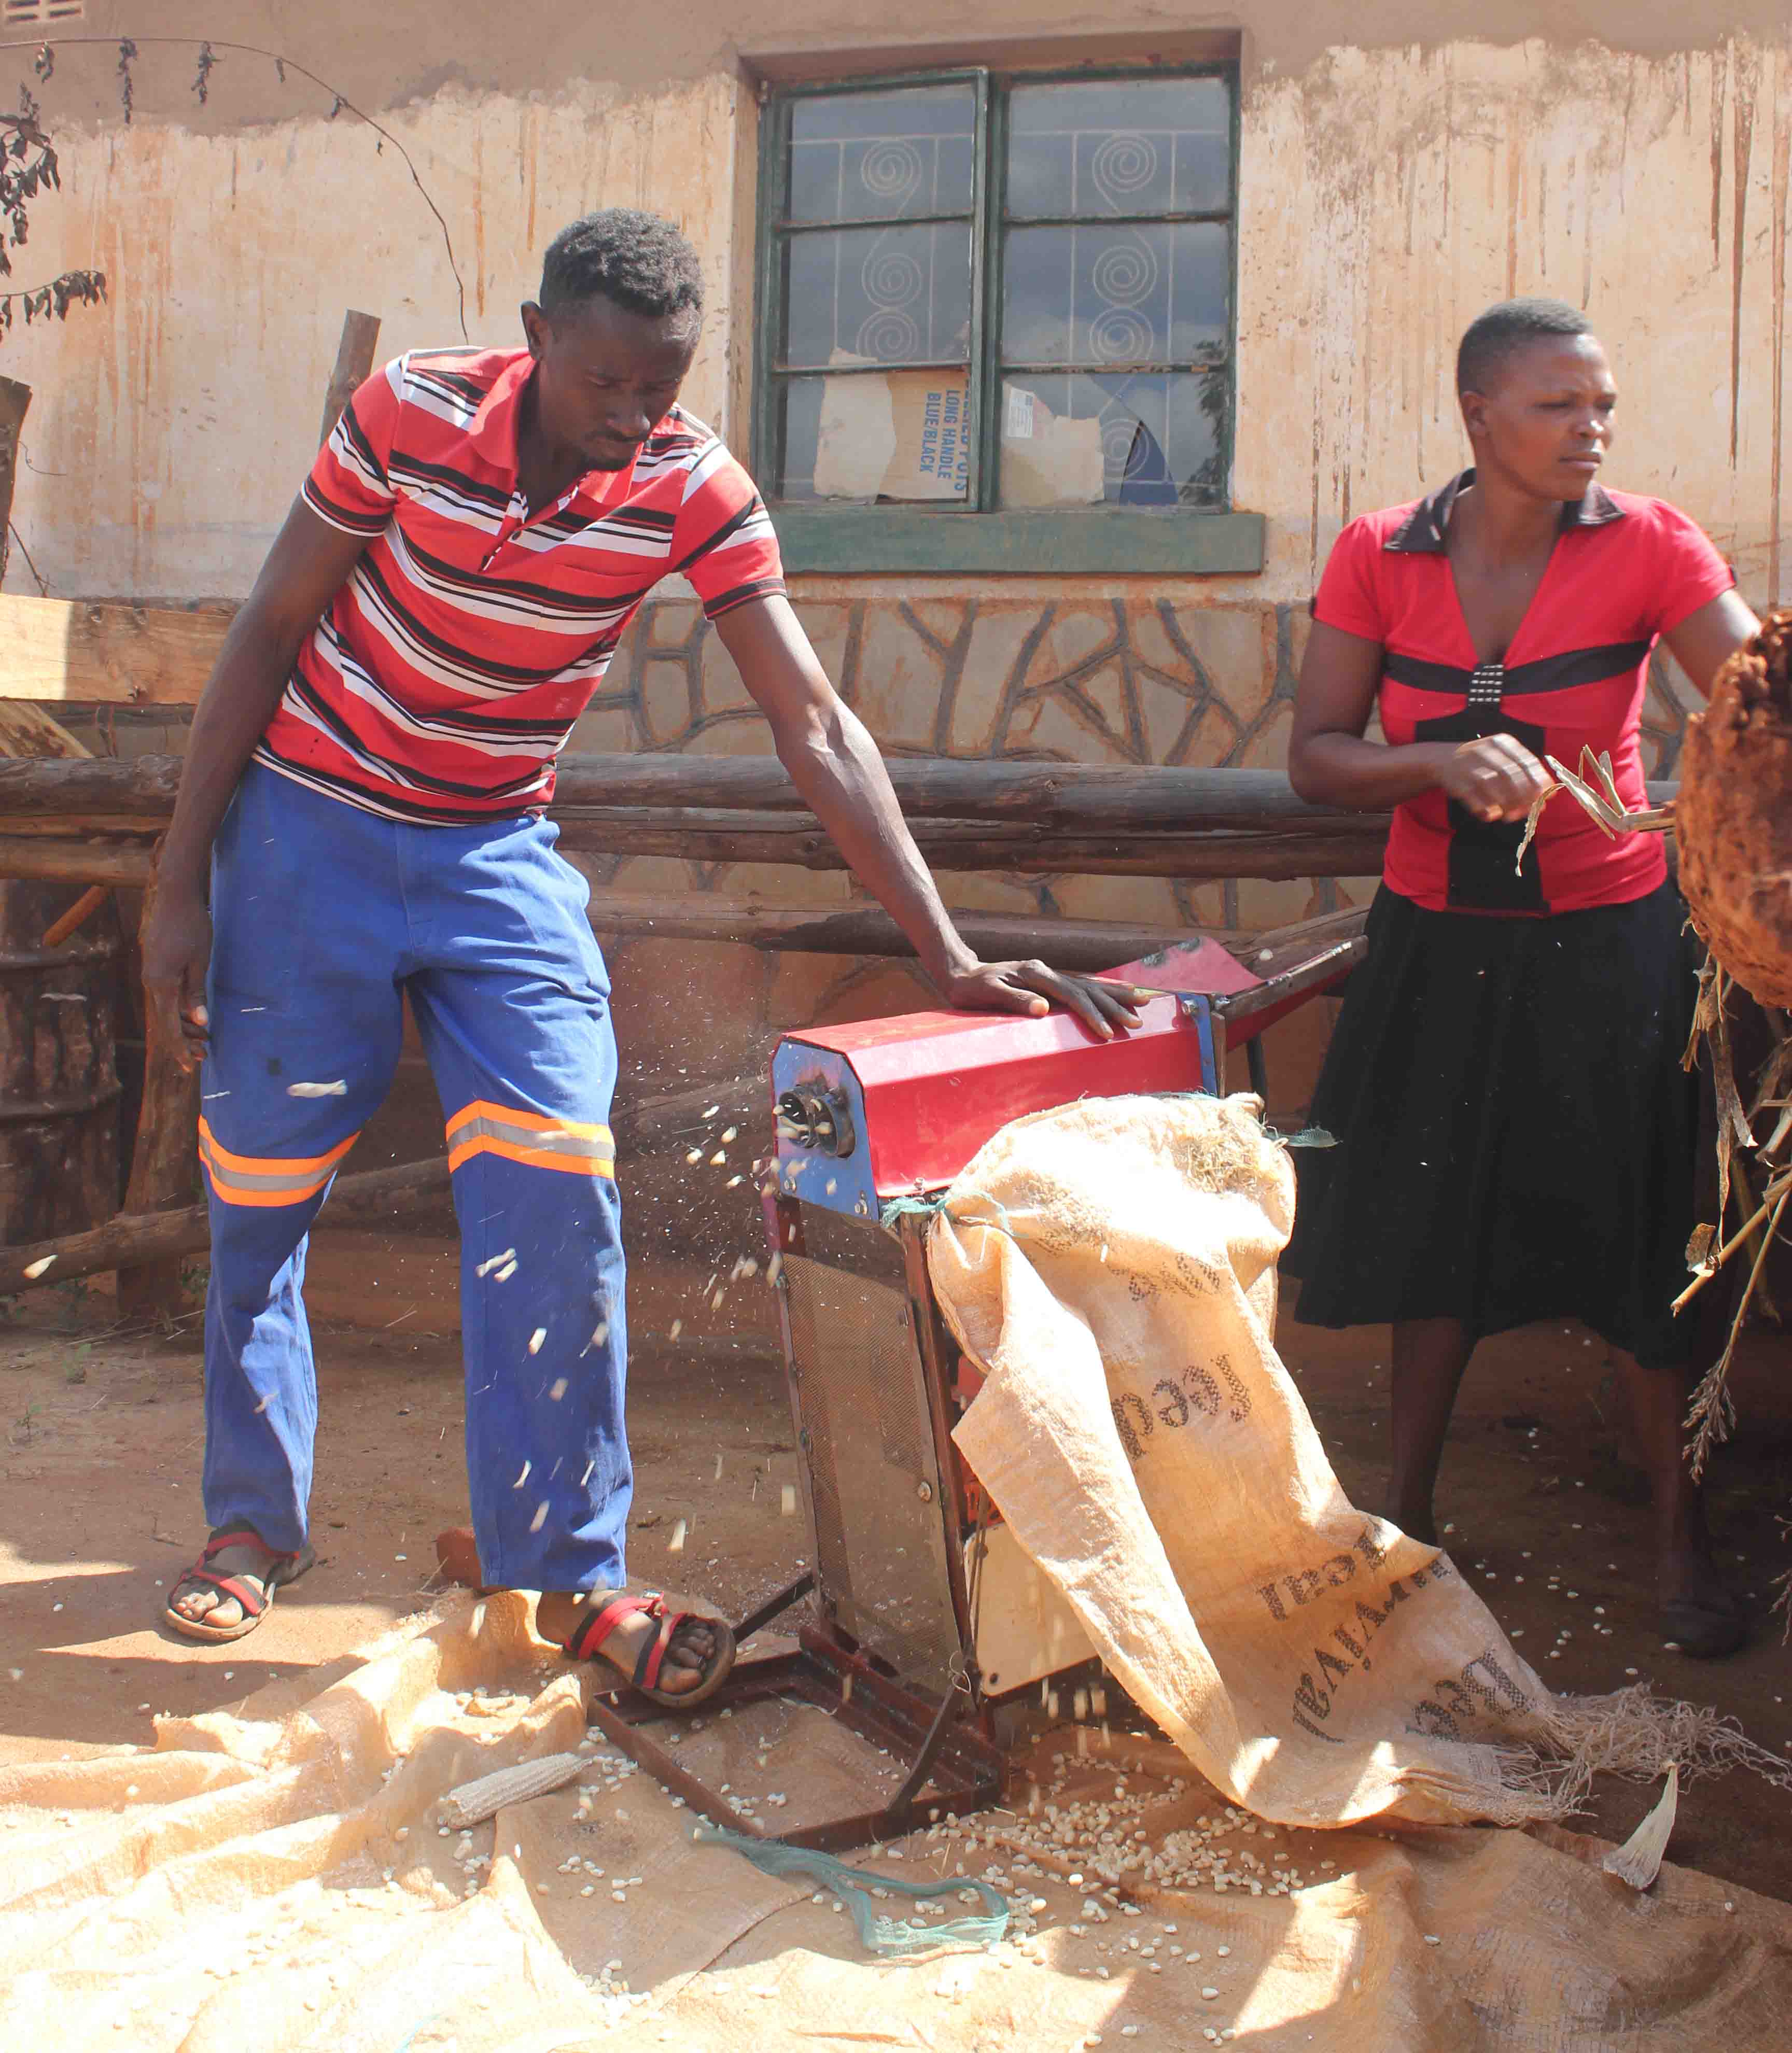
996,316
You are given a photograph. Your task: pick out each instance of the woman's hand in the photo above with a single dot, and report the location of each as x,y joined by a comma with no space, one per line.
1035,988
1495,776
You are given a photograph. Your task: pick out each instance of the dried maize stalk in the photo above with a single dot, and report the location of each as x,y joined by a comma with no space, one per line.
1604,806
473,1802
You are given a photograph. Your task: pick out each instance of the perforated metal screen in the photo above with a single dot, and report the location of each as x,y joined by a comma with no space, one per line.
868,1445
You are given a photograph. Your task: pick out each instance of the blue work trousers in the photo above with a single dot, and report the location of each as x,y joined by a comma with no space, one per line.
323,918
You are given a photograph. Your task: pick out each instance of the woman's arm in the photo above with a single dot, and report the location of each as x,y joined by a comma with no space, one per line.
1329,763
1705,640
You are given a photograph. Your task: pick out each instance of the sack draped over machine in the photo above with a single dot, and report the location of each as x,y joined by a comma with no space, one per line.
1111,1266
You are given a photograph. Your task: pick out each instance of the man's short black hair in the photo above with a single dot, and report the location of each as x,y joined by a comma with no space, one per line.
634,259
1493,337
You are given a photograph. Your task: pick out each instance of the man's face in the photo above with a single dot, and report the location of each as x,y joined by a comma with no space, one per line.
606,377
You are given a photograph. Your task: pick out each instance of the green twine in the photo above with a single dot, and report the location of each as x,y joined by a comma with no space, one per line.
898,1208
853,1886
1309,1136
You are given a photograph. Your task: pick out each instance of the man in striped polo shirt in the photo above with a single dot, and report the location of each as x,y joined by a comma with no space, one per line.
364,779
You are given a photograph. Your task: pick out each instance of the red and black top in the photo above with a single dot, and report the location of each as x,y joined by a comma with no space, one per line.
1624,571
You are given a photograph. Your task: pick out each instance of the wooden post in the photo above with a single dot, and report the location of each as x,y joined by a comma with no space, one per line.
164,1163
354,363
15,400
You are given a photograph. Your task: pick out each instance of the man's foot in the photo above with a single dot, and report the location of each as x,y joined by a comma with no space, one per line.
691,1655
227,1591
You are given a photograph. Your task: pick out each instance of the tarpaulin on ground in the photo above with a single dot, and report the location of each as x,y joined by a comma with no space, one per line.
277,1878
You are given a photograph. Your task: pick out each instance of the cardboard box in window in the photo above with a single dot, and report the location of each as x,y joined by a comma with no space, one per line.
894,434
1048,458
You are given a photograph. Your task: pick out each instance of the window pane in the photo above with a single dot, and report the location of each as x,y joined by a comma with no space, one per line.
1080,440
1122,146
863,156
878,296
898,436
1102,294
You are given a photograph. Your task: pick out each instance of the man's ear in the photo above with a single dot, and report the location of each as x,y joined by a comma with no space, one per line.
535,328
1473,412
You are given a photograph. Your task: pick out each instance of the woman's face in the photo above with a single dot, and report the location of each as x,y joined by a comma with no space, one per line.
1547,423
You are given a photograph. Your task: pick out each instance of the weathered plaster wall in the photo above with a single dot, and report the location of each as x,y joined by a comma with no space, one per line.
169,429
1386,195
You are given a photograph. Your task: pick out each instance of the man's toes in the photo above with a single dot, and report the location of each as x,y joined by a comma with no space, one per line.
209,1607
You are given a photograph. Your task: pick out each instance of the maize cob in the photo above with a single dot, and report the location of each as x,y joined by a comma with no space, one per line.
473,1802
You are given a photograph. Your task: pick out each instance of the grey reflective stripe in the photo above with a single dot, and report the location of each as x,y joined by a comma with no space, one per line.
242,1179
546,1140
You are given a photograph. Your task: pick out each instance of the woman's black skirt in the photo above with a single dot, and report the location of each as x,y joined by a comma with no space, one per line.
1517,1138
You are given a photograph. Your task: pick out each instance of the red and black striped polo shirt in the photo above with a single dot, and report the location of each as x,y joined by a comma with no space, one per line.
1624,571
446,676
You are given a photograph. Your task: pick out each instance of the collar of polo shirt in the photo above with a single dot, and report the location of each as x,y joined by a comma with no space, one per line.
1423,532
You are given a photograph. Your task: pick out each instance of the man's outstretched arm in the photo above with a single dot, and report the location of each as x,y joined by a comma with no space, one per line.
835,764
307,566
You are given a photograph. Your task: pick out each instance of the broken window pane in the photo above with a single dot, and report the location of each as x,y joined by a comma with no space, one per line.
1109,321
878,296
868,156
1112,295
896,436
1122,439
1120,146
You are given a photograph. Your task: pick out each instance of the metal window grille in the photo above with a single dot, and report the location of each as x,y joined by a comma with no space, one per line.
39,13
1003,281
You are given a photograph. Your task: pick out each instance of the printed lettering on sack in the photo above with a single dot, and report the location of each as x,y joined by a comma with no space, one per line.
1195,1392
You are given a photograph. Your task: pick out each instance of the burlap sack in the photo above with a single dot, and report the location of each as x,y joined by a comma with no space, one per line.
1110,1264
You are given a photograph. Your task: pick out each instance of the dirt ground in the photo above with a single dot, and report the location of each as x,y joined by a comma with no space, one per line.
100,1510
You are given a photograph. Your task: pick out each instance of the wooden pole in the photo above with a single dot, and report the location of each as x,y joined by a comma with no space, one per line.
136,1243
596,793
162,1238
164,1163
15,400
779,839
354,364
867,930
52,861
1037,798
78,914
959,845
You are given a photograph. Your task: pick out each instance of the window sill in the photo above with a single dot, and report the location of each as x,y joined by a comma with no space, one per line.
1054,541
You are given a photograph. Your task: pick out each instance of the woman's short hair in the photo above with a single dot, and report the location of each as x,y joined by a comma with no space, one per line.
1492,338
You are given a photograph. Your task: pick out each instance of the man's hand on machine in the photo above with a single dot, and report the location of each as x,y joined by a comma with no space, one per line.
176,951
1035,988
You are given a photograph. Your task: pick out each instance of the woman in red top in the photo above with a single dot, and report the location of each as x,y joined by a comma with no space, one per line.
1517,1138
